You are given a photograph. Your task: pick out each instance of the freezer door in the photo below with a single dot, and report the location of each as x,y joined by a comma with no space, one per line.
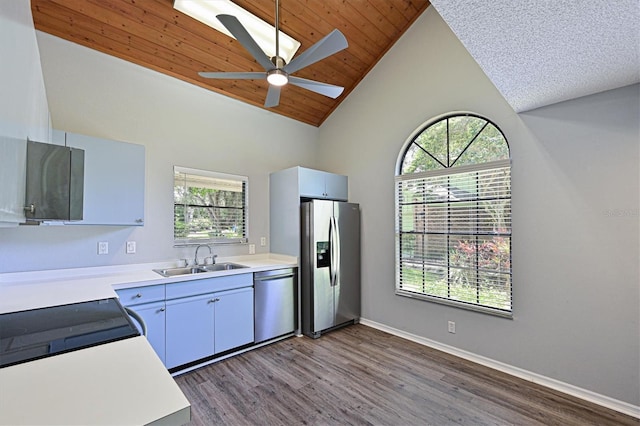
317,292
347,288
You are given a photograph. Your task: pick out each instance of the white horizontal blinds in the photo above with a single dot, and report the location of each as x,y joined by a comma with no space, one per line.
454,234
209,207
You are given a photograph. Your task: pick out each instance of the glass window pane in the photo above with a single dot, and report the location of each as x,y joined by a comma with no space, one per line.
462,130
435,281
495,291
434,140
490,145
416,161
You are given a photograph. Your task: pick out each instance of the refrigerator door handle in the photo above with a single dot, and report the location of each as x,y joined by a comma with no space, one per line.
333,247
336,250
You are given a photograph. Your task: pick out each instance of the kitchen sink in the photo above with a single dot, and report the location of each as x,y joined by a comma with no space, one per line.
226,266
172,272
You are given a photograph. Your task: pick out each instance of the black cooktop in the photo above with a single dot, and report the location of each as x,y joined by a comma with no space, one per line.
39,333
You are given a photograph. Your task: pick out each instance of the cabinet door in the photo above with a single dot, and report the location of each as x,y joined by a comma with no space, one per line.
311,183
189,329
319,184
336,187
233,319
153,315
113,181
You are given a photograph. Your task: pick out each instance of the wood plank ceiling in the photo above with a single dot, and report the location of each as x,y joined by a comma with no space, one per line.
152,34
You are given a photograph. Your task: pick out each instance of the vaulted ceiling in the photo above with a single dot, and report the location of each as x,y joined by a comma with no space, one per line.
151,33
543,52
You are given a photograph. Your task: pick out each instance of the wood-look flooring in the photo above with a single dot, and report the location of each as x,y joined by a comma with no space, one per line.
362,376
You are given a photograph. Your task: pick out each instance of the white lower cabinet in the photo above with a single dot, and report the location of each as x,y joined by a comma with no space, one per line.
148,302
192,320
153,315
201,326
189,329
233,324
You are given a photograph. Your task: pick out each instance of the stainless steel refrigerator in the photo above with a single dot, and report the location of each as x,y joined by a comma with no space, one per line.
330,265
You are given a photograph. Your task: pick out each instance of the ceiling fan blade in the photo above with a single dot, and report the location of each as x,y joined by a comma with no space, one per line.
332,43
242,35
315,86
273,96
235,75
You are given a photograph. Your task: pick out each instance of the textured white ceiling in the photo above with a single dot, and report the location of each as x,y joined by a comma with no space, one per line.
539,52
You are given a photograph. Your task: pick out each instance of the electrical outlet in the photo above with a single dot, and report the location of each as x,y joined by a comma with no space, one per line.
263,241
252,249
103,247
131,247
451,327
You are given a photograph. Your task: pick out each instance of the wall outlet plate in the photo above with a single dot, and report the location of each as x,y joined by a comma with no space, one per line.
263,241
451,327
252,249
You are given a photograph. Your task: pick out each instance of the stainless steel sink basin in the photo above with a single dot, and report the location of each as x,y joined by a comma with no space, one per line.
172,272
226,266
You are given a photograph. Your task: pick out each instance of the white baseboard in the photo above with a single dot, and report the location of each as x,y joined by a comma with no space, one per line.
587,395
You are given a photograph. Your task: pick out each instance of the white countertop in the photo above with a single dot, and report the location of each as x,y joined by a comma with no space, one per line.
121,383
21,291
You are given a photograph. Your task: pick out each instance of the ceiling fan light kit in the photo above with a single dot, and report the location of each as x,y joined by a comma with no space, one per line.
277,70
277,77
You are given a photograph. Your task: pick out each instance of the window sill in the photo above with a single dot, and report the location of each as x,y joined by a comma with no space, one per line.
456,304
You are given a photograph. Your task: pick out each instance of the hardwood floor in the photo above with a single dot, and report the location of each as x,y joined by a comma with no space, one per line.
362,376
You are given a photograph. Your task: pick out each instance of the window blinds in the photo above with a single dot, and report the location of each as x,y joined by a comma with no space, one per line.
209,207
453,235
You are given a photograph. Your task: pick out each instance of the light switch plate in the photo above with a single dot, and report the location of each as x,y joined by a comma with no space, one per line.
103,247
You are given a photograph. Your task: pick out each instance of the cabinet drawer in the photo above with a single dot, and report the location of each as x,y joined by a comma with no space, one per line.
208,285
138,295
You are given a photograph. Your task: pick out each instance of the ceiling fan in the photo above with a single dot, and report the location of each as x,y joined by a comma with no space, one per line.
277,71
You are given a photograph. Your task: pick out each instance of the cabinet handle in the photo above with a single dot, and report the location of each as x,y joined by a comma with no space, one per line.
162,309
139,295
139,220
214,300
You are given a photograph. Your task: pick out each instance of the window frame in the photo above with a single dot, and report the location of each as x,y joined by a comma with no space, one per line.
244,180
448,171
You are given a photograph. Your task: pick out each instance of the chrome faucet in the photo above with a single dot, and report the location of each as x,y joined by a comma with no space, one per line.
211,255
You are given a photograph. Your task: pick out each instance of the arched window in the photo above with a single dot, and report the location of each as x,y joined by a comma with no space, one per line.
453,214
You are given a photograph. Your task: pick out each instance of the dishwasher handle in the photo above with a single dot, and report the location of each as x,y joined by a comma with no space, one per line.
273,275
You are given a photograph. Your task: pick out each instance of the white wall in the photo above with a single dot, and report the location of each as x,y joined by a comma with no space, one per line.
179,124
575,260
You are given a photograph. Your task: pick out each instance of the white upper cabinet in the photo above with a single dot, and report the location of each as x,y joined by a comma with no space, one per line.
320,184
113,181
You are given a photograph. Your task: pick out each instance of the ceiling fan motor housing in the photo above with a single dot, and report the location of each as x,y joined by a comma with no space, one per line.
278,61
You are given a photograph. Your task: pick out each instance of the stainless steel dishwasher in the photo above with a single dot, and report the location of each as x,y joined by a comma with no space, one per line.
275,303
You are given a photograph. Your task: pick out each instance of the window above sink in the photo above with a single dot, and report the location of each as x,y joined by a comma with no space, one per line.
209,207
